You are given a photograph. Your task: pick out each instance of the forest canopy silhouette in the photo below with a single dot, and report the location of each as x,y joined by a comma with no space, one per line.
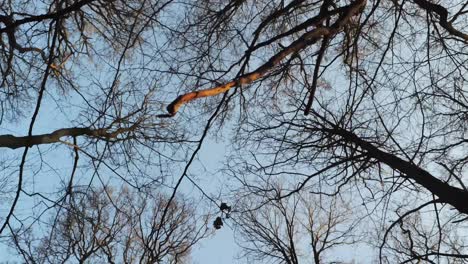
343,125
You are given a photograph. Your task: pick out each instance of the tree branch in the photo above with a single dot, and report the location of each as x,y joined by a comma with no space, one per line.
304,41
9,26
447,194
443,17
13,142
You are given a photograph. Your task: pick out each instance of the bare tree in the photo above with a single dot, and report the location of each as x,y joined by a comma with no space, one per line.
365,100
68,66
297,229
115,227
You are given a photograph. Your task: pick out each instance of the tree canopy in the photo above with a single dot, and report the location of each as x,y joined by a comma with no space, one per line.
346,116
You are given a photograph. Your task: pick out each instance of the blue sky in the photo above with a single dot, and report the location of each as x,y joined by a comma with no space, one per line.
218,248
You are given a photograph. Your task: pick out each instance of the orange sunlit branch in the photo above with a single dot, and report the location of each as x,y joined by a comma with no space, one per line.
304,41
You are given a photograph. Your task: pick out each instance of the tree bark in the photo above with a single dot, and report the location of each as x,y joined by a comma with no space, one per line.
304,41
454,196
13,142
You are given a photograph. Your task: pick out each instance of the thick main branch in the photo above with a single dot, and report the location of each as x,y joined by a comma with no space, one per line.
13,142
447,194
443,17
304,41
